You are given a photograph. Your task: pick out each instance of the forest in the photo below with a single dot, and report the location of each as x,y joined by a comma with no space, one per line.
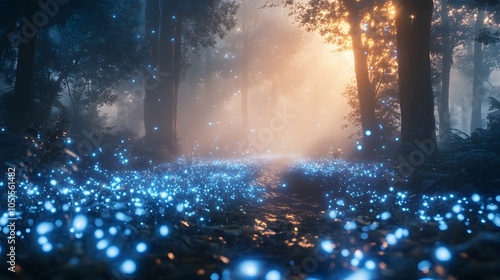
250,139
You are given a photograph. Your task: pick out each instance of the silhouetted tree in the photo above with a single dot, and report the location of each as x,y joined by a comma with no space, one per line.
169,25
413,23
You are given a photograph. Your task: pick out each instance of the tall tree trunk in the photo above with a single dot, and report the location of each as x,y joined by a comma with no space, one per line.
20,110
177,74
366,93
165,116
477,84
413,24
444,108
151,106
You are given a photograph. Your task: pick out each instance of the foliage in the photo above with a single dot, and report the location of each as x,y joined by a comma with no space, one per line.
494,115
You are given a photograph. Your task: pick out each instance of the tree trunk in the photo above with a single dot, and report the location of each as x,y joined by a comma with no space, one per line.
20,110
366,93
164,119
177,75
477,84
444,108
152,16
413,24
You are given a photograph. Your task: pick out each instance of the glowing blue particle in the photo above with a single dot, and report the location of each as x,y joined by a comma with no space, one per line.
98,222
214,276
112,252
128,267
443,254
496,220
359,147
102,244
344,253
47,247
113,230
179,207
249,268
475,197
361,274
424,265
273,275
456,208
164,231
350,225
443,226
391,239
332,214
340,202
354,262
80,222
386,215
99,234
53,182
371,265
327,246
44,228
48,205
155,128
42,240
122,217
368,133
141,247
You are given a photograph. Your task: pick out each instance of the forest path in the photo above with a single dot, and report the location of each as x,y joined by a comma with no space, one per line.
285,211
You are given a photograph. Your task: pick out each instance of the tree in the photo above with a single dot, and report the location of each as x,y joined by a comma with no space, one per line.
194,23
361,26
77,57
19,113
413,24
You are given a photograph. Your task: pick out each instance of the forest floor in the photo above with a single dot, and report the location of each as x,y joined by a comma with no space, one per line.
261,218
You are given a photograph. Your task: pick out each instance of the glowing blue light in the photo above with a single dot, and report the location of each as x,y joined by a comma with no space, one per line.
391,239
443,254
214,276
350,225
456,208
327,246
386,215
359,147
368,133
273,275
80,222
128,267
141,247
371,265
53,182
102,244
47,247
42,240
179,207
249,268
44,228
122,217
164,230
113,231
332,214
361,274
424,265
99,234
112,252
344,253
475,197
